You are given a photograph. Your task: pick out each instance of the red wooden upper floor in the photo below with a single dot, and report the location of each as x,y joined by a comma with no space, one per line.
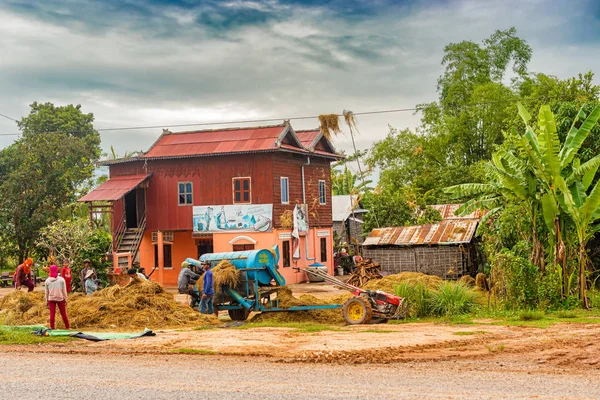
266,165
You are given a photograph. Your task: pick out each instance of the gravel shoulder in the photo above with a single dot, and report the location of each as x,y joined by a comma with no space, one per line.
60,376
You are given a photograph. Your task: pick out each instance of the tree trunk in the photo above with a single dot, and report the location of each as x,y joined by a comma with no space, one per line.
582,281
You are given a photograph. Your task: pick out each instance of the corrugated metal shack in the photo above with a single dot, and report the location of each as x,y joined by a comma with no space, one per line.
445,249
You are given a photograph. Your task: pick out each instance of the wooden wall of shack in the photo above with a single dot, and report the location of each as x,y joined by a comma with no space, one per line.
445,261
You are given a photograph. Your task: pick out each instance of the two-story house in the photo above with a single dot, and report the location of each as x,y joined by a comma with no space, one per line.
221,190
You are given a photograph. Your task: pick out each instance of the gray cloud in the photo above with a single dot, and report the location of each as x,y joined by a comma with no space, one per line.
150,63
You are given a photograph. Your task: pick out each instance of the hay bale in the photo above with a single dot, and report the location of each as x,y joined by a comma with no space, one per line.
481,282
140,304
467,280
388,283
225,274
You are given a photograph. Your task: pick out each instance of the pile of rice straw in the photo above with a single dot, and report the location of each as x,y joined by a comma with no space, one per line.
225,274
286,299
140,304
387,283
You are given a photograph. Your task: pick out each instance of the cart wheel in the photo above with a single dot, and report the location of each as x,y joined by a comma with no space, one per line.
357,311
240,314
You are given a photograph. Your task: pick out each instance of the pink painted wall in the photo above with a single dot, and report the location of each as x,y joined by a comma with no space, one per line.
184,246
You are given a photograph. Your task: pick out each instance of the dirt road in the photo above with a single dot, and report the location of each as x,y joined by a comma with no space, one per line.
54,376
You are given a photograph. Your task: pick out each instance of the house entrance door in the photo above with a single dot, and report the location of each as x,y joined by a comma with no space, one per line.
131,209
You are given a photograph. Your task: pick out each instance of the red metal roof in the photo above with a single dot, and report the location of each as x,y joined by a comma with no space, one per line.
447,211
114,188
308,137
216,142
443,233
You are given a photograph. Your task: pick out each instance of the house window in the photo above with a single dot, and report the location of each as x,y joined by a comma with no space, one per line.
323,249
286,254
322,193
241,190
185,194
167,254
285,190
243,247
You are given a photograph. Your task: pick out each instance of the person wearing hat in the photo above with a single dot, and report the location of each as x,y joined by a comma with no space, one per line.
90,282
185,281
22,276
56,295
86,267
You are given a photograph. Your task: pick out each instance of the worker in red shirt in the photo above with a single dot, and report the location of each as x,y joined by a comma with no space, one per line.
67,274
23,276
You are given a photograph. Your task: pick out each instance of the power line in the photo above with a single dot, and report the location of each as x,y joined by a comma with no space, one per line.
7,117
389,111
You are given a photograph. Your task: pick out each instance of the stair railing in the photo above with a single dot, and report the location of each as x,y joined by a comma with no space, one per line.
119,233
138,237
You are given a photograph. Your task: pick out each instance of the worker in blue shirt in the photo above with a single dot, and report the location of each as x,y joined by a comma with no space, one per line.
206,304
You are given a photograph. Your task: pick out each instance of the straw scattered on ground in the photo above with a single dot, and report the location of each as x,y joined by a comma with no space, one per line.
388,283
286,299
140,304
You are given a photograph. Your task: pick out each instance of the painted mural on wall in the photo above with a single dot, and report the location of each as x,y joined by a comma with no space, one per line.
233,218
300,228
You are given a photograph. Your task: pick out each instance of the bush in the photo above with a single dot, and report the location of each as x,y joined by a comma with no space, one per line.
452,298
417,296
531,315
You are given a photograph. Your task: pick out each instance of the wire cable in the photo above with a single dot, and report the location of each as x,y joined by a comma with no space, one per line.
374,112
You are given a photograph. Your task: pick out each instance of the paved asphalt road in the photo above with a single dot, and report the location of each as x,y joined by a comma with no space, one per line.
59,376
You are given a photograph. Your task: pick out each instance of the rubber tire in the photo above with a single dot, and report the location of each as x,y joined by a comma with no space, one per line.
239,314
367,311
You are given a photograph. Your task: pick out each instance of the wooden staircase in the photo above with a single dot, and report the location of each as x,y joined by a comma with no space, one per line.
129,242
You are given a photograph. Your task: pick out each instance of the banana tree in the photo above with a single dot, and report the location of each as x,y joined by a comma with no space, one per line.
548,178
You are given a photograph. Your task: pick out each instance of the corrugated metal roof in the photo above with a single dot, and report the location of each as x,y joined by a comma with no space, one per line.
216,141
445,232
114,188
447,211
308,137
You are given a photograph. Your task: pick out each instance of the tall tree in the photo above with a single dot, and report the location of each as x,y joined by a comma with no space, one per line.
43,171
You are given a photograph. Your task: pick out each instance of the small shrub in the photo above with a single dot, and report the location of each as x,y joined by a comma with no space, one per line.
452,298
417,296
531,315
566,314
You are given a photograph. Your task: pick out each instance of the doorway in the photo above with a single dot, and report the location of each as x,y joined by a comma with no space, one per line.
204,246
131,209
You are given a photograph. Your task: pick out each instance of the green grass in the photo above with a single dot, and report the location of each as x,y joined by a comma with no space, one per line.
204,328
185,350
566,314
377,331
531,315
494,349
469,333
11,336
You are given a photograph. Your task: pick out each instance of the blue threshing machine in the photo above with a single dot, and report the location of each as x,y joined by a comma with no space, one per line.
260,282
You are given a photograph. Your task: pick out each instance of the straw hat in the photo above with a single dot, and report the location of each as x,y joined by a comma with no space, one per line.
89,273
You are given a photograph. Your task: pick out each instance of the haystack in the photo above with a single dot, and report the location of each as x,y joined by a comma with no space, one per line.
287,299
140,304
467,280
388,283
481,282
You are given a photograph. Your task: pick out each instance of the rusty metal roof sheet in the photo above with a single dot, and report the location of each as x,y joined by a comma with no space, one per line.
114,188
447,211
445,232
308,137
216,142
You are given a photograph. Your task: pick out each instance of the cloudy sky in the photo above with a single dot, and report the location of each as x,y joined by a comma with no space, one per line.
141,63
